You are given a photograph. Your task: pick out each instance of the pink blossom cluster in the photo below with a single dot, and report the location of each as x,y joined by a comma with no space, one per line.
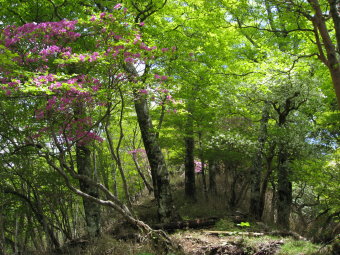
198,166
78,130
143,46
46,32
63,103
40,41
47,51
9,86
159,77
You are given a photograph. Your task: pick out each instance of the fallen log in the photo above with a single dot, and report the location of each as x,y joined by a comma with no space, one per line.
233,233
245,233
196,223
291,234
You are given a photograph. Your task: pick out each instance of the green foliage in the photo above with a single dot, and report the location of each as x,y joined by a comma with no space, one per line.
244,224
221,75
225,225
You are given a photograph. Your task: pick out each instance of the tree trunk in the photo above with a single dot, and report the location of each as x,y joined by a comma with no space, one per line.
91,209
212,177
190,189
159,171
85,168
334,11
284,199
205,190
335,74
115,156
233,191
256,172
330,59
284,189
266,178
273,203
140,172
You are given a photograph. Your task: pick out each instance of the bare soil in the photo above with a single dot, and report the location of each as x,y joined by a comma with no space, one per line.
202,243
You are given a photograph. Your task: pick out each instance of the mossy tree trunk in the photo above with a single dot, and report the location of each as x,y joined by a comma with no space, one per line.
159,170
91,209
85,168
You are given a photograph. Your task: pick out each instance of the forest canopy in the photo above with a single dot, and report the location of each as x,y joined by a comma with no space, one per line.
103,103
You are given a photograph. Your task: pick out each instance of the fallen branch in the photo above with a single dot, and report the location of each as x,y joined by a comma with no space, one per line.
196,223
256,234
233,233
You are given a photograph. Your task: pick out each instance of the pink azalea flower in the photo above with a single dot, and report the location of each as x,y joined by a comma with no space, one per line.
81,57
143,91
117,6
129,60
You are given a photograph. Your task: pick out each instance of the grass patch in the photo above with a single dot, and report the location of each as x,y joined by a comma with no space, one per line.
294,247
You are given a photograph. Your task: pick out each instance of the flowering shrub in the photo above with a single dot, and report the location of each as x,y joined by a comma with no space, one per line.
76,67
198,166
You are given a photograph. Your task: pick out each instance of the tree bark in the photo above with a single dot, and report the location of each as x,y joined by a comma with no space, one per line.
115,156
212,177
284,190
204,182
284,199
140,172
284,186
91,209
266,177
256,173
331,59
159,171
190,189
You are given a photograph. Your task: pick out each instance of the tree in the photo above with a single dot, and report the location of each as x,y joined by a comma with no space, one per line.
70,91
312,19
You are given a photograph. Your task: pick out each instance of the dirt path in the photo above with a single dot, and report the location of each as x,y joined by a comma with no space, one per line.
201,243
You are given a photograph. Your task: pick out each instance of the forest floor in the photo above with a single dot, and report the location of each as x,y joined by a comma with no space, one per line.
203,243
230,233
207,242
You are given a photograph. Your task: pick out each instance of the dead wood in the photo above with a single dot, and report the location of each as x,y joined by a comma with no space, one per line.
196,223
233,233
